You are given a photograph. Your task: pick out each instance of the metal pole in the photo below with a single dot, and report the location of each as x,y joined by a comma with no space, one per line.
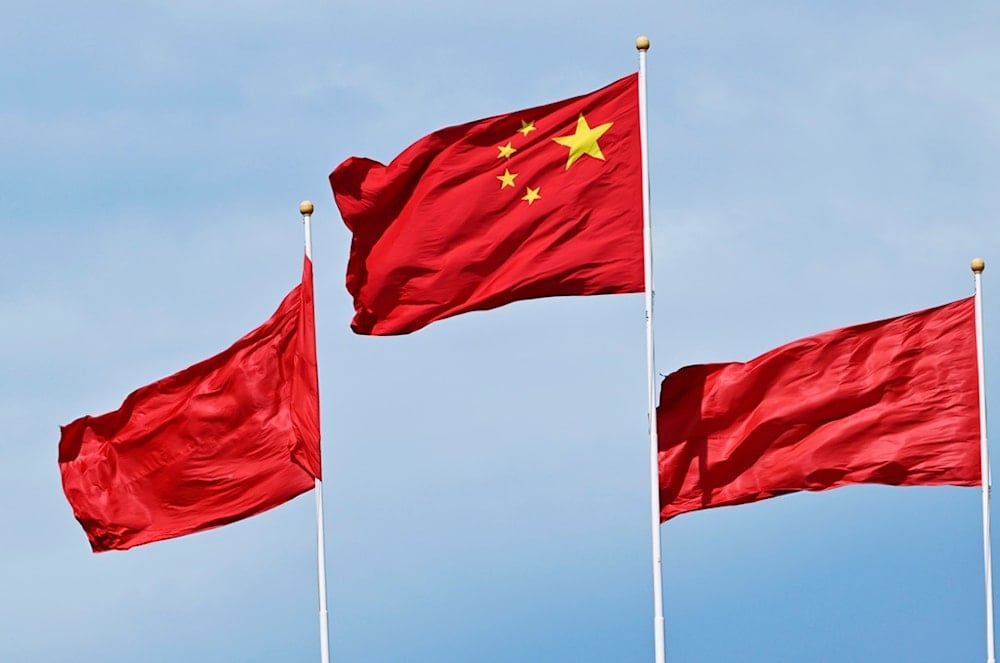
306,209
977,269
642,44
324,624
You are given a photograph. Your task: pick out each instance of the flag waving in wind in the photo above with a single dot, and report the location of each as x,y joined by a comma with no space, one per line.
890,402
541,202
224,439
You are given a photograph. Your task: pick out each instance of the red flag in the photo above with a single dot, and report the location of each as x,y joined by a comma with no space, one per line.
227,438
891,402
536,203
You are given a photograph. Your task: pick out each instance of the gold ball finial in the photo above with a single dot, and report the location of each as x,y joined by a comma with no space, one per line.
978,265
306,208
642,43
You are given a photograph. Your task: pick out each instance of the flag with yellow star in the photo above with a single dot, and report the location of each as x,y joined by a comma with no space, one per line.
536,203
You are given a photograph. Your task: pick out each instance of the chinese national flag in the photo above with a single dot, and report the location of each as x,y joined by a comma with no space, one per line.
224,439
536,203
890,402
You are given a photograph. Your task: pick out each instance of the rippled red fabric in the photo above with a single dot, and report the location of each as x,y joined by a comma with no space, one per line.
891,402
536,203
224,439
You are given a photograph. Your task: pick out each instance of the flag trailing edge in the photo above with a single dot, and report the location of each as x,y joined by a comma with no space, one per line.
226,438
541,202
891,402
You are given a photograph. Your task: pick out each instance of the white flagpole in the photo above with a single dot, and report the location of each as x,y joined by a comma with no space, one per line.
306,210
984,454
642,44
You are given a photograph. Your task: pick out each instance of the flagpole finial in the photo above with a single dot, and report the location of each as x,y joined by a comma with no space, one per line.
978,265
642,43
306,208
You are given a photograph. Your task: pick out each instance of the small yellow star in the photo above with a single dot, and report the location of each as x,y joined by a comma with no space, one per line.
526,127
532,194
507,179
506,150
583,141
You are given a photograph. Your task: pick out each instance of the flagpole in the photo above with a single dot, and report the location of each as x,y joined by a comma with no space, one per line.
984,454
306,210
642,45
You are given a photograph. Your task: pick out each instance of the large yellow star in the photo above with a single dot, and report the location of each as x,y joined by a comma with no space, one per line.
506,150
526,127
532,194
507,179
584,141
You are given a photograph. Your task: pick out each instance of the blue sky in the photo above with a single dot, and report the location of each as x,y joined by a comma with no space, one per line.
486,495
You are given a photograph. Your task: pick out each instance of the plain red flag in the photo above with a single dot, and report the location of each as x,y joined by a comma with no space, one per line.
536,203
224,439
891,402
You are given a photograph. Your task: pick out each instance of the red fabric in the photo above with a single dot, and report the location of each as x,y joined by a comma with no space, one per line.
436,233
891,402
227,438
